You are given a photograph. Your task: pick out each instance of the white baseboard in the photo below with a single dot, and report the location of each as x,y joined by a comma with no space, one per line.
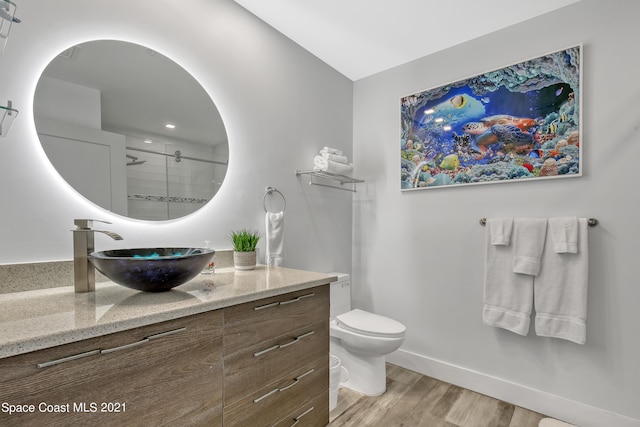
545,403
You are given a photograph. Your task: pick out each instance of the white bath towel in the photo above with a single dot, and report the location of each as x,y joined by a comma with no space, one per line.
508,297
499,230
326,165
331,150
528,243
274,226
335,157
564,232
561,290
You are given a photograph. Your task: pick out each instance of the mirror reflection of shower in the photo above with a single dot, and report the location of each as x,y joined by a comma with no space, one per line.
171,180
134,161
98,99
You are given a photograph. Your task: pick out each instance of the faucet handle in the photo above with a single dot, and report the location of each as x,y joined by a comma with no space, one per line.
86,224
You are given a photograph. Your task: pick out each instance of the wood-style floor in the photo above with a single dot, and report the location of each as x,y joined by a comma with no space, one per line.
414,400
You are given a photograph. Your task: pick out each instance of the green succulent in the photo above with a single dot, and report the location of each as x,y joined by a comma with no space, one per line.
244,240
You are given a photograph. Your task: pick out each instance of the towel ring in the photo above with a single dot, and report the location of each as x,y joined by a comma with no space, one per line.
268,192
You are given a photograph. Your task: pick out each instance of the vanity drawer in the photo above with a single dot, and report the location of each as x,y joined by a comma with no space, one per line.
260,364
152,375
265,319
312,414
272,403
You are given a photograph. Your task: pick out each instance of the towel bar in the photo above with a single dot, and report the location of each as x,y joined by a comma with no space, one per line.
591,222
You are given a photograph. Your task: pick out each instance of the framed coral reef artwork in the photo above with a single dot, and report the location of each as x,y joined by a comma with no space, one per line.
520,122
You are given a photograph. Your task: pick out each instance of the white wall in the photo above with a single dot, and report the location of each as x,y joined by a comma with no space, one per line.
279,103
90,160
68,102
418,256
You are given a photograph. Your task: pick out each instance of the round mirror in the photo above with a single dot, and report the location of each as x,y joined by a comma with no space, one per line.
131,130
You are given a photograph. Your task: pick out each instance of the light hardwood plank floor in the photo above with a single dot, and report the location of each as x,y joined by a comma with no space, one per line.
414,400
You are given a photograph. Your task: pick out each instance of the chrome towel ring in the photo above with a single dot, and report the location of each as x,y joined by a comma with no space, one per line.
269,191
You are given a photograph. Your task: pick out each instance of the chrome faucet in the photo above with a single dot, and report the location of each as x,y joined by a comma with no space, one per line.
84,273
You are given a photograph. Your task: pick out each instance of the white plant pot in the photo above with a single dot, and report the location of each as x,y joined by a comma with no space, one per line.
244,260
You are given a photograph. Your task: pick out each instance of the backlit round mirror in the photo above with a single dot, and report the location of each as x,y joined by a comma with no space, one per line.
131,130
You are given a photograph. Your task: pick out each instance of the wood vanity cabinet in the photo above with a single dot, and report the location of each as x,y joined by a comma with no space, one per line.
168,373
276,360
261,363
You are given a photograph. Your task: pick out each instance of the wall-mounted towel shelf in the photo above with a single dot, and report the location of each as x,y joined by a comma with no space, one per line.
7,116
7,17
591,222
342,179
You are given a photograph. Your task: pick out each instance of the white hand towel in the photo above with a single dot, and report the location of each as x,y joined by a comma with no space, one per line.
334,157
500,230
528,243
508,297
561,291
564,233
326,165
274,226
331,150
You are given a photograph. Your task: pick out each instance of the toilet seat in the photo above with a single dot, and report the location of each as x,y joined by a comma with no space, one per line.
365,323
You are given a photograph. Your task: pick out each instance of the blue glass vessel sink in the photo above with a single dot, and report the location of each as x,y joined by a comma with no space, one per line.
151,269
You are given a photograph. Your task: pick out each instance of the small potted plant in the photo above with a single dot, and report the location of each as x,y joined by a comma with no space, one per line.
244,248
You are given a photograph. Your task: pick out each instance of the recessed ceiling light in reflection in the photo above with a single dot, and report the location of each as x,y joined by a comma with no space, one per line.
170,126
148,141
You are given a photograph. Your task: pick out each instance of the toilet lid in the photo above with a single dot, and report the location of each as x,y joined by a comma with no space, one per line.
366,323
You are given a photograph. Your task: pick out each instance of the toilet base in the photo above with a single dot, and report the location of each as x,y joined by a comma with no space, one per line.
363,373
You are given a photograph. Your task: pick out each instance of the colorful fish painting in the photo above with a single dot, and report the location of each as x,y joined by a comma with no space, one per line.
499,126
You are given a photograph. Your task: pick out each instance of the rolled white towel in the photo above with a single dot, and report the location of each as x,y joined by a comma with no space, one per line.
334,157
326,165
331,150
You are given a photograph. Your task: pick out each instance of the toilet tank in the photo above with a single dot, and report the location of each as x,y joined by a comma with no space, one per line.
340,294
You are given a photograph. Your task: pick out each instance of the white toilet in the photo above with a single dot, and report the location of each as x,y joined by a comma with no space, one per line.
361,340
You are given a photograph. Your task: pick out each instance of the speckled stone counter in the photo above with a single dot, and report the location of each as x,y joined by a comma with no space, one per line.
33,320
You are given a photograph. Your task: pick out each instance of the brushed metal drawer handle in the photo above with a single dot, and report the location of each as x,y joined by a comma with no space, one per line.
124,347
264,396
142,341
296,380
107,351
297,299
266,350
67,359
297,339
164,334
297,419
262,307
277,303
279,346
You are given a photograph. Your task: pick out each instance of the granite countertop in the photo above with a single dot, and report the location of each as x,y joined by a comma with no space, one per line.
34,320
